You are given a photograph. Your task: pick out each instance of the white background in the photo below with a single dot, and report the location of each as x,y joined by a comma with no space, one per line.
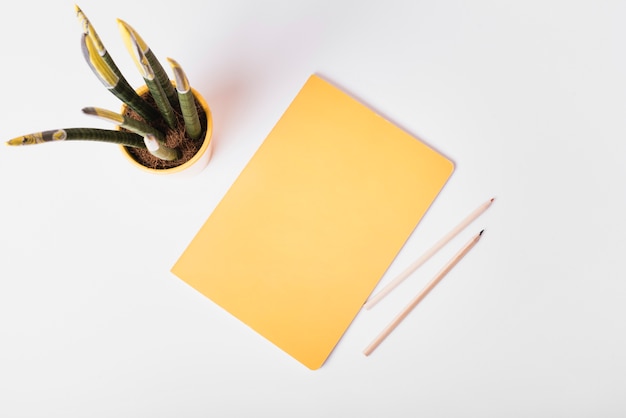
527,98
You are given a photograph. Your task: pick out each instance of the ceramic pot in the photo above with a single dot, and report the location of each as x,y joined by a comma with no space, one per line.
194,165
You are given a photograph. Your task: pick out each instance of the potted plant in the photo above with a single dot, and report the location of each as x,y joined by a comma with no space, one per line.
163,127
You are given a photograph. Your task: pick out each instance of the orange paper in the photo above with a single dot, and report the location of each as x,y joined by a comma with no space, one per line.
313,221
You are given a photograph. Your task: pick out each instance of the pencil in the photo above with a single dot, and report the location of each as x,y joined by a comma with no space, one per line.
405,312
417,263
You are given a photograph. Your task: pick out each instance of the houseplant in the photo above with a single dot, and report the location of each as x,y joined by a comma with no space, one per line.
163,127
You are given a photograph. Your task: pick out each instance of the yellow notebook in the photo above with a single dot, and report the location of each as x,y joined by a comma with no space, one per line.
313,221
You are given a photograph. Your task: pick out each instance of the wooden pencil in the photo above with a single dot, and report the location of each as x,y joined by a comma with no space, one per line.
417,263
405,312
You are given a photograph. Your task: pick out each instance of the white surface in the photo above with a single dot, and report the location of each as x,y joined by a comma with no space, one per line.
528,99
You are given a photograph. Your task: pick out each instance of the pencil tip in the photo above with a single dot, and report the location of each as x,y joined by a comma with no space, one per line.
492,199
481,232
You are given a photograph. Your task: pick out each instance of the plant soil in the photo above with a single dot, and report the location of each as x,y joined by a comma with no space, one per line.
174,138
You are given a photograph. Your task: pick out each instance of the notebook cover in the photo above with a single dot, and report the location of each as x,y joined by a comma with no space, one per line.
306,231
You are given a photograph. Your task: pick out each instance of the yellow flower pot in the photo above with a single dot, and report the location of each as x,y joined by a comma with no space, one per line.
199,160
